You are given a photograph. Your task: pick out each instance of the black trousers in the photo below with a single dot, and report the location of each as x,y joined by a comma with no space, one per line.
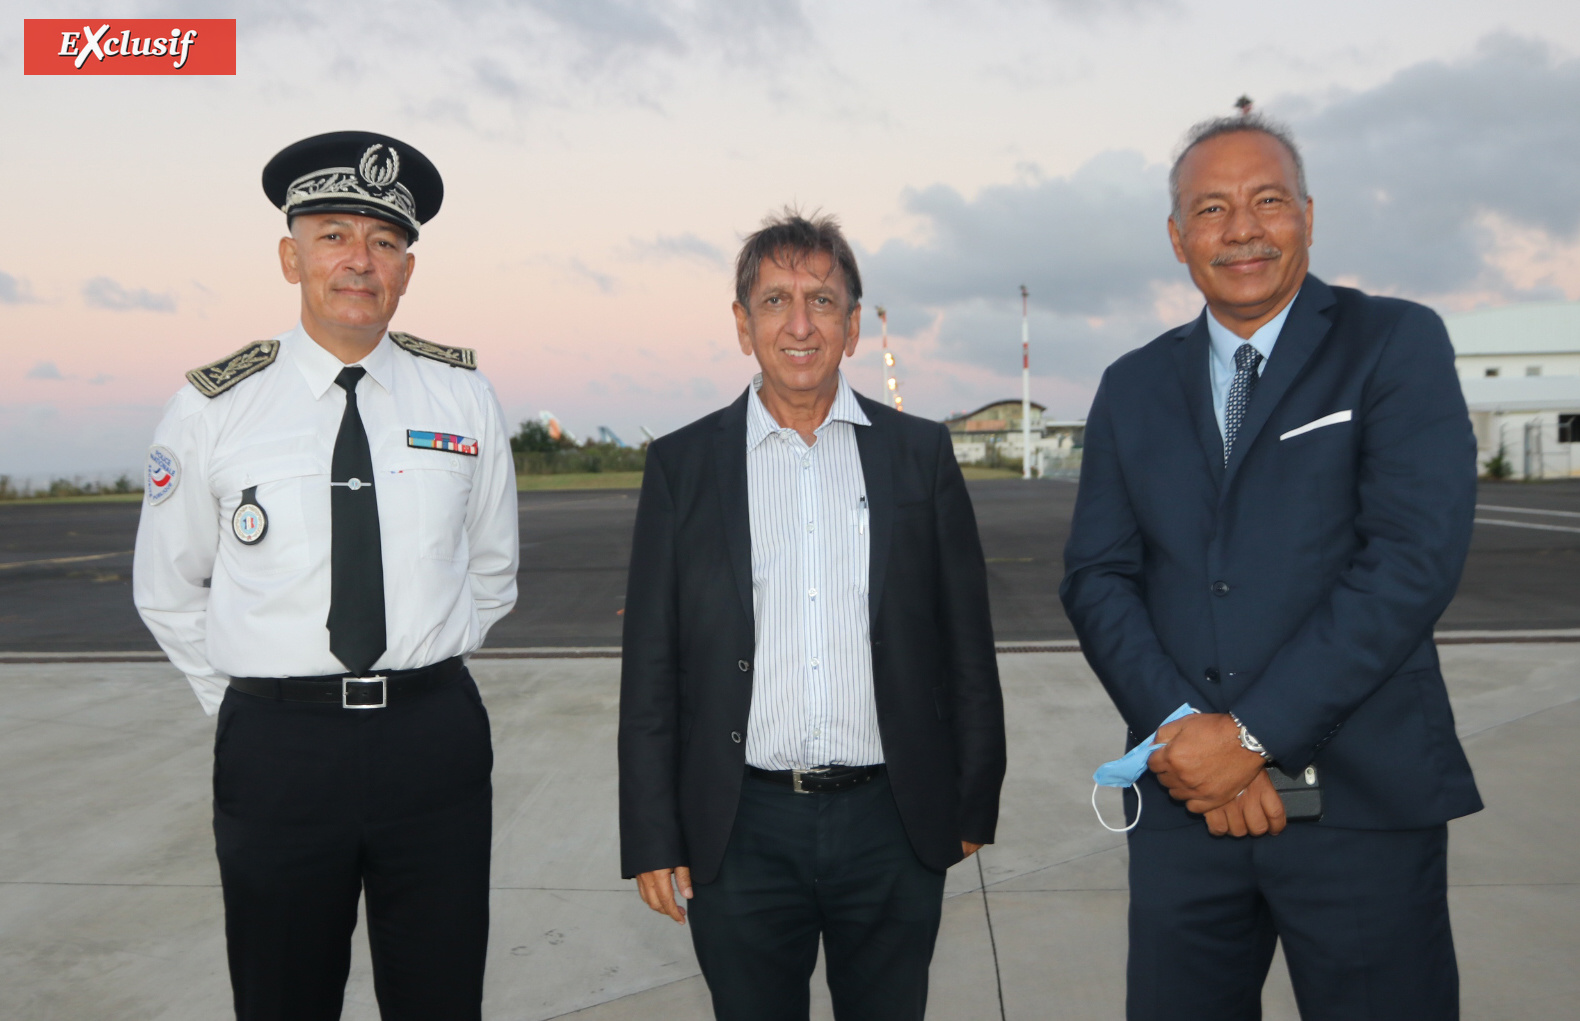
1363,916
800,866
314,804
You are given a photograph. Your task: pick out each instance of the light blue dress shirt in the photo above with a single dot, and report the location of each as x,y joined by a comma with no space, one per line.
1225,343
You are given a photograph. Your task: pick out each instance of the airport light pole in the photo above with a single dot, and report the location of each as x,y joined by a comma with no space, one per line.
1025,387
891,383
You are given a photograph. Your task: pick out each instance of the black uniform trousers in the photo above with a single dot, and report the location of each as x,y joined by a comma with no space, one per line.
1363,916
800,866
313,804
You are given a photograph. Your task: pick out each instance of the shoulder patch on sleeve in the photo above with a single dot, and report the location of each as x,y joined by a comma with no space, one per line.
459,357
162,474
215,378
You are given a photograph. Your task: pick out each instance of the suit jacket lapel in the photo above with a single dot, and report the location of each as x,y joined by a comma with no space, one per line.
729,462
877,469
1301,336
1192,353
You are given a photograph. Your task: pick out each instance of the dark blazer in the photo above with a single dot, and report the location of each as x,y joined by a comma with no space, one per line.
1297,587
690,638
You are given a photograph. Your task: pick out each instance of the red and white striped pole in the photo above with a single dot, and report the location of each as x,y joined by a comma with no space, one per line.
1025,386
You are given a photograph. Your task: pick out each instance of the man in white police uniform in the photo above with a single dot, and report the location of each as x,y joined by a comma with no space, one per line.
329,528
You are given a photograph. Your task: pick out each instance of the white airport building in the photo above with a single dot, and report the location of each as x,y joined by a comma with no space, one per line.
992,435
1519,366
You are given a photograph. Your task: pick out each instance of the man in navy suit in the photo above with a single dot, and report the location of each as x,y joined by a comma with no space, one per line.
1275,506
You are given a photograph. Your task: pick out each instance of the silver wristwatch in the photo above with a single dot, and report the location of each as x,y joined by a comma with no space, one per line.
1249,741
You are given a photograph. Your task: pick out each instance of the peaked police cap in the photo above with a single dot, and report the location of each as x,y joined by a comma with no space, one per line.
358,172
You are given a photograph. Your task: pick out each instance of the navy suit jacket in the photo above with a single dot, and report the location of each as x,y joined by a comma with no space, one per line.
1298,586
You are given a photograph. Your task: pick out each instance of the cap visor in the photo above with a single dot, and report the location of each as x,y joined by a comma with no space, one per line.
359,209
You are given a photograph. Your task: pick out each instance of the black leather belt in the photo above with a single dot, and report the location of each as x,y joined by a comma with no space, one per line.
821,780
372,692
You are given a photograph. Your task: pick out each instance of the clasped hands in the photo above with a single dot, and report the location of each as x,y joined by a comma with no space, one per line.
1203,765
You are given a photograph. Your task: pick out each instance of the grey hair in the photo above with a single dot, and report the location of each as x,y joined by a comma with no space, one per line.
1218,126
796,236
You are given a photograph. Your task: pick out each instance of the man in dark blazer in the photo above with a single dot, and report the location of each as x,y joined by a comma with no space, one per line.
1275,506
811,729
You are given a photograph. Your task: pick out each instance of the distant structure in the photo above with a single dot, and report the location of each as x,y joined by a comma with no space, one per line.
606,435
1025,385
995,435
1243,104
891,381
648,433
552,424
1519,367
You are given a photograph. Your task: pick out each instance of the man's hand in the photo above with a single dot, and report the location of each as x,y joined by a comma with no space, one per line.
1203,764
658,893
1257,811
967,848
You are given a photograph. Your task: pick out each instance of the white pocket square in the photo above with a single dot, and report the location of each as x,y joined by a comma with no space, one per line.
1333,419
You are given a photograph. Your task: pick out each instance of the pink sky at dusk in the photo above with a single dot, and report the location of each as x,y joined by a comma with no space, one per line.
602,161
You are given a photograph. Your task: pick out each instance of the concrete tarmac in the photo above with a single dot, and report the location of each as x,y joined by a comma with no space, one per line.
65,569
110,906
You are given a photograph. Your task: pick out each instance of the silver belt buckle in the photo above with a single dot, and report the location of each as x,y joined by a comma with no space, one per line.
346,691
797,774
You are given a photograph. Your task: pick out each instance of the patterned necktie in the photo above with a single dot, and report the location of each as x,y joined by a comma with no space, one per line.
356,560
1246,359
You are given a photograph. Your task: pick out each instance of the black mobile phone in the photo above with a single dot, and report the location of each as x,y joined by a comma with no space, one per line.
1301,793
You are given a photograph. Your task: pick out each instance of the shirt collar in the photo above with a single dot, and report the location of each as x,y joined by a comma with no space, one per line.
760,424
319,368
1225,343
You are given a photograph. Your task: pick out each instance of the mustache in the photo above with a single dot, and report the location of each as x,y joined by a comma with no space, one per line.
1245,253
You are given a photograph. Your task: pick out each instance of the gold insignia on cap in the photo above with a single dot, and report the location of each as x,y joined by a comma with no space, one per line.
460,357
215,378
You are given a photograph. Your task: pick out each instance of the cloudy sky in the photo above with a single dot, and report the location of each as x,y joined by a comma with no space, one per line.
603,158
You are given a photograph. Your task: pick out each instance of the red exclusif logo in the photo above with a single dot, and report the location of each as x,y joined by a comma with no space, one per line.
131,46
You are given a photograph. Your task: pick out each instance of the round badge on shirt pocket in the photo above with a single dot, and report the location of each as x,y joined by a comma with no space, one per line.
250,523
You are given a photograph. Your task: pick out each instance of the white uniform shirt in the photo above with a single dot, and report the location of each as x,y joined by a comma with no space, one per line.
447,521
812,698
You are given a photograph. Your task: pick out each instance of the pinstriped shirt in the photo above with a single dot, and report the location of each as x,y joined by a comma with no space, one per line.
812,698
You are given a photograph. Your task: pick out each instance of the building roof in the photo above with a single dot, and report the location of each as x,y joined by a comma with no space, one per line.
1534,327
962,416
1523,393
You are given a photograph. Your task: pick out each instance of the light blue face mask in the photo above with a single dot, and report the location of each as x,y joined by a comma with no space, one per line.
1127,769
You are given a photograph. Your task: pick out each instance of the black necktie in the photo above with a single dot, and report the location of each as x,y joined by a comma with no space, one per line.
356,562
1246,359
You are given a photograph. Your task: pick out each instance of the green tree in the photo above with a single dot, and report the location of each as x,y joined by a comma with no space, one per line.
533,438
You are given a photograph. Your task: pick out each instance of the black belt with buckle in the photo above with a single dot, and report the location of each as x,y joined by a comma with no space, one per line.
821,780
372,692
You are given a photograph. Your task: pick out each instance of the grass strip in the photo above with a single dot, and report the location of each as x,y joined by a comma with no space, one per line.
580,480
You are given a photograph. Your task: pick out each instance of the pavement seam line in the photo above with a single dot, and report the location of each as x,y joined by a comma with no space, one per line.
1523,716
626,996
1054,865
1555,636
987,913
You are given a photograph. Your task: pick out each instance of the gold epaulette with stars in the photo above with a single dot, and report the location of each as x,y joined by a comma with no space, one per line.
459,357
215,378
